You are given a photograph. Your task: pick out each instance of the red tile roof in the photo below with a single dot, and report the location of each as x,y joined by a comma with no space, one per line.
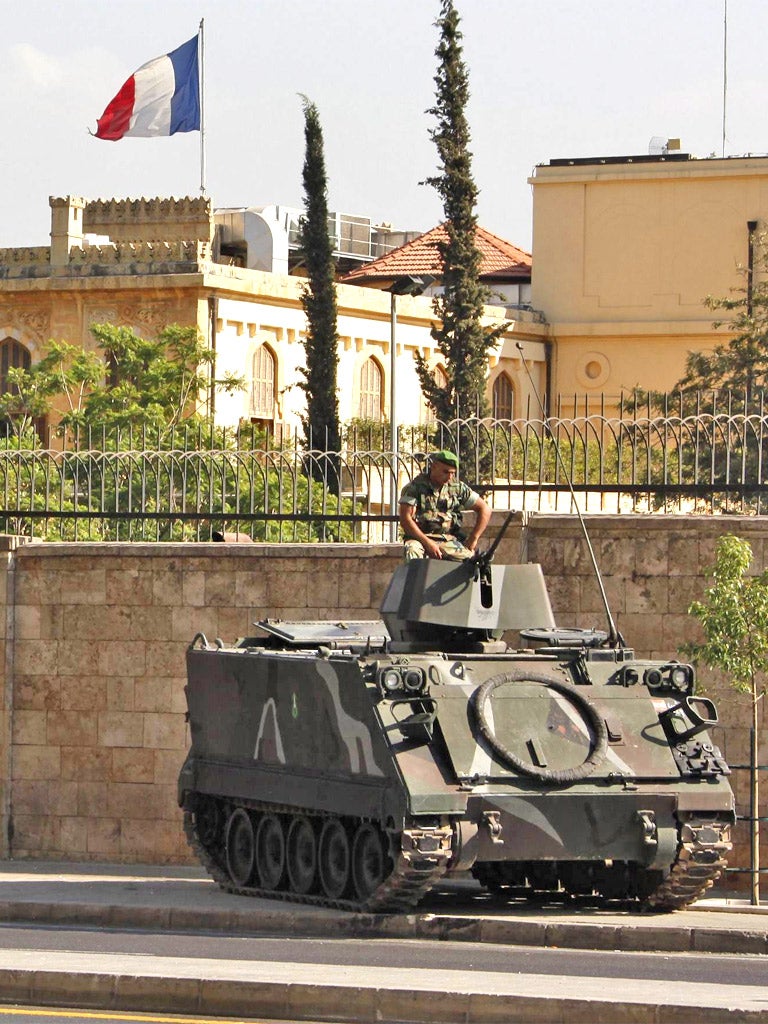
500,260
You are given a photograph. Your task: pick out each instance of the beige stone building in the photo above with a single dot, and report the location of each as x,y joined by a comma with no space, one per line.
147,263
624,252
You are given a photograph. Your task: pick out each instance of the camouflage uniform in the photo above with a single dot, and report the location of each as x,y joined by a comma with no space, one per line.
438,515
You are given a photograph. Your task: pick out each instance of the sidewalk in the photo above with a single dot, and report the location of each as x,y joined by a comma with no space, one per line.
184,899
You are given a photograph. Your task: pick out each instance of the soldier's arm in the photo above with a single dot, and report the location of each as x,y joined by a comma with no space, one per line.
412,531
482,512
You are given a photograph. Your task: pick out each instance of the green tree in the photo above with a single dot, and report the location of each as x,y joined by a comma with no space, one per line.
734,618
740,364
65,372
719,398
135,382
463,341
103,397
321,423
149,382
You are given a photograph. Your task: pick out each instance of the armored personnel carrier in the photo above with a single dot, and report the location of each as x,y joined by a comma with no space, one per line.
356,764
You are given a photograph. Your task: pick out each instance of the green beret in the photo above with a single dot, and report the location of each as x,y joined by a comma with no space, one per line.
447,457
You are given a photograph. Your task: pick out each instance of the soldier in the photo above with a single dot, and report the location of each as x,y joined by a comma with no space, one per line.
430,512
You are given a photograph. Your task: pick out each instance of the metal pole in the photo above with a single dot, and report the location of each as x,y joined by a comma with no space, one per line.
201,48
213,315
751,228
393,412
614,637
754,805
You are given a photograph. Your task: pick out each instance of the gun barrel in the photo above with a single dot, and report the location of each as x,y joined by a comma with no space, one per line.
487,556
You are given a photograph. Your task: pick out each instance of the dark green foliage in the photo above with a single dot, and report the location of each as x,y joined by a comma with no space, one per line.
720,399
321,424
151,484
153,382
741,364
131,382
460,336
734,620
65,372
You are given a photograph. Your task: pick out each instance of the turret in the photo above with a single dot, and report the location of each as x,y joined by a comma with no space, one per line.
462,604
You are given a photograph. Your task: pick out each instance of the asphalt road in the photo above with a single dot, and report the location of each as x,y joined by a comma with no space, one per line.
415,955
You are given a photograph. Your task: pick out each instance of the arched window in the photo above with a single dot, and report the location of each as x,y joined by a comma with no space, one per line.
12,354
263,384
503,398
370,390
440,378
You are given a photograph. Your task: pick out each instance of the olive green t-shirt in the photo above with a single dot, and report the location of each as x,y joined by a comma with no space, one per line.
438,509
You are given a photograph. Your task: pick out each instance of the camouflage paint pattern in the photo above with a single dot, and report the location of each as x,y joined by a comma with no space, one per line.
339,720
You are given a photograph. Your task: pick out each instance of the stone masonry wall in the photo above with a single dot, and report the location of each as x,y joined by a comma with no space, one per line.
92,637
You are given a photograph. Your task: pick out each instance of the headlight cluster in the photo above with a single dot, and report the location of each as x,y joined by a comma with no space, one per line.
675,677
398,679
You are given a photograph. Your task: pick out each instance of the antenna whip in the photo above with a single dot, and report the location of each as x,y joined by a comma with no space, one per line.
614,637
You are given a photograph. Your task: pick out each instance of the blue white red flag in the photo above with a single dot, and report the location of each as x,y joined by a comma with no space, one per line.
161,98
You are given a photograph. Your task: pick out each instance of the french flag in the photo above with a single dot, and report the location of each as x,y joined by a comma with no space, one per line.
161,98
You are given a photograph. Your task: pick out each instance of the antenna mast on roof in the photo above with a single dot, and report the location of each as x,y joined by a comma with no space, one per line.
725,64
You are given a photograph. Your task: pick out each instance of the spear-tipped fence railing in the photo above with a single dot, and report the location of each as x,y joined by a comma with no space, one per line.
700,452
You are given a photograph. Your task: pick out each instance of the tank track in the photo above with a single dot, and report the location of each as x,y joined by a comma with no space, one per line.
699,863
413,874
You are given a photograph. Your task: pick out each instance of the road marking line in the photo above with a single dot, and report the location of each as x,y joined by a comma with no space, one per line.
91,1015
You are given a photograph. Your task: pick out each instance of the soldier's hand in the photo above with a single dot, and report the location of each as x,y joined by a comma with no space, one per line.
433,550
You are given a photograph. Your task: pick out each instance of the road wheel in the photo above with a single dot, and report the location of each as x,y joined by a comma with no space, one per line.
302,855
241,850
270,852
333,859
368,861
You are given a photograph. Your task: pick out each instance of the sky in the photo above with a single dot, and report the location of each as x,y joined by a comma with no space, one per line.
548,79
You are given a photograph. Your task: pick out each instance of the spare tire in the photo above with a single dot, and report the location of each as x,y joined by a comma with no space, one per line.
599,746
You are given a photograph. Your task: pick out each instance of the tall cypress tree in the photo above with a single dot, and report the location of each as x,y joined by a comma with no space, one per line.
321,423
461,338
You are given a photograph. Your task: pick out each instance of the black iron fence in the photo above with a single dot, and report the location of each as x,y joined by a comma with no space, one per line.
754,870
706,453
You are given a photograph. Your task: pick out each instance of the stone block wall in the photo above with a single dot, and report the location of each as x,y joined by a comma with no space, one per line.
93,636
93,727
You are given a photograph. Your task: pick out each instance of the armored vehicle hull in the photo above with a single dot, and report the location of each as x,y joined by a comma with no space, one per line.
356,764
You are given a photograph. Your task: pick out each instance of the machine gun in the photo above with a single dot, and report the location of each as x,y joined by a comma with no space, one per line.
480,562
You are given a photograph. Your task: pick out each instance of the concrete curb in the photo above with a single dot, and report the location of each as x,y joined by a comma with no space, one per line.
313,1002
642,936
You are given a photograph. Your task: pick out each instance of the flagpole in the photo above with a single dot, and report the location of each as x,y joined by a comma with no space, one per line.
201,36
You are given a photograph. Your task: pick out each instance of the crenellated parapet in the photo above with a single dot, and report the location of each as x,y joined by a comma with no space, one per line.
25,255
118,258
134,220
144,256
25,262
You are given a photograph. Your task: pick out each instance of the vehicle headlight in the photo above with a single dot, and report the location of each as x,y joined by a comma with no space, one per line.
681,677
414,680
390,680
653,678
